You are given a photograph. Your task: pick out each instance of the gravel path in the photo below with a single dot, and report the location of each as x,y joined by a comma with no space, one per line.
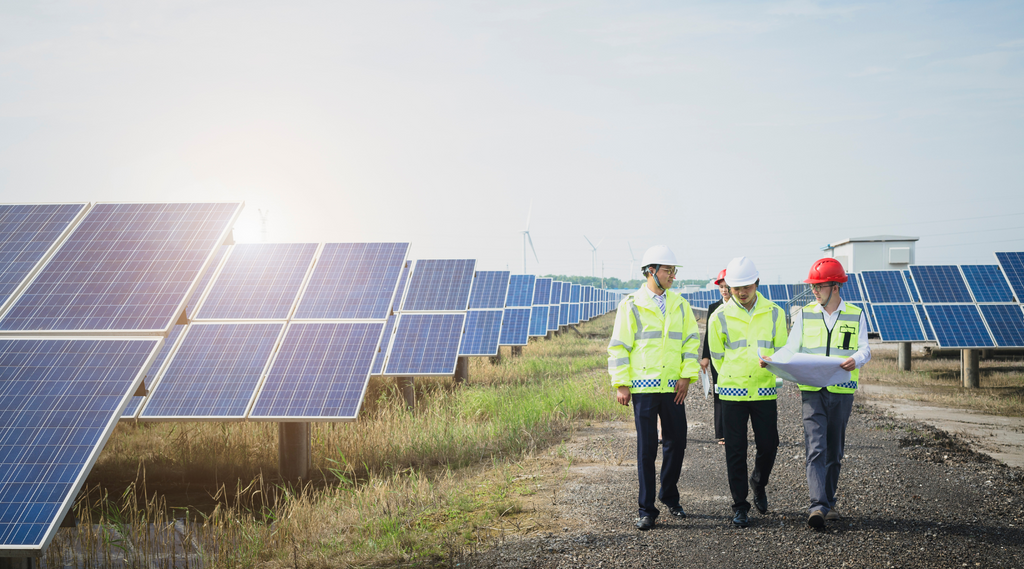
911,496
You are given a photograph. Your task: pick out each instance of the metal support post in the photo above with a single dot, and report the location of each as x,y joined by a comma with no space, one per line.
294,451
969,369
408,389
904,356
462,369
517,351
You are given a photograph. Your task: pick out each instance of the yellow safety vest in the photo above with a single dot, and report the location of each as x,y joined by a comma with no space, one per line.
734,337
649,350
841,342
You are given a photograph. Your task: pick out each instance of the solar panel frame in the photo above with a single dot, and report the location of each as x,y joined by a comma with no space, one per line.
1012,264
482,332
439,285
885,287
442,362
112,278
922,315
959,326
258,281
898,323
345,275
987,283
941,284
90,403
489,289
377,368
1005,322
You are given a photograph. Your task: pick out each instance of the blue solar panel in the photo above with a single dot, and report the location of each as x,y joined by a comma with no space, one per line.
515,329
987,283
958,326
885,286
574,293
483,328
940,283
866,308
924,321
439,284
911,285
124,267
1013,267
1006,321
489,289
27,233
851,290
425,344
59,402
778,292
574,313
520,290
898,323
382,349
542,292
214,372
539,321
563,314
320,372
353,280
553,317
136,400
566,292
258,281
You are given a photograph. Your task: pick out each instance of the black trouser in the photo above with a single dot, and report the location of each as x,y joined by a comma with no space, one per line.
719,427
647,407
764,420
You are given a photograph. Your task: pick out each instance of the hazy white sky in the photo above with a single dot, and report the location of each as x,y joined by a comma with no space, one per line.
764,129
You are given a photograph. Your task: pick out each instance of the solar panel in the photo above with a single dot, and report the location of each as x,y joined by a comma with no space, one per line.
214,372
779,292
489,289
136,401
940,283
320,372
515,329
124,267
520,290
258,281
924,321
483,328
27,233
851,290
987,283
382,349
911,285
866,308
885,286
1006,321
958,326
1012,264
574,313
539,321
59,402
439,284
425,344
353,281
566,292
898,323
553,317
542,292
574,293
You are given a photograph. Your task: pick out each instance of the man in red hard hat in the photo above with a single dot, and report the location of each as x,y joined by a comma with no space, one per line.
829,327
705,362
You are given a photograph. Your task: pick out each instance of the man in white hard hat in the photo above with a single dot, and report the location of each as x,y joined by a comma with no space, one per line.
652,359
745,325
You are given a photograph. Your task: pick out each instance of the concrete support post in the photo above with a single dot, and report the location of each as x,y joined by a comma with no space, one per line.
408,389
517,351
462,369
904,356
294,451
551,335
969,371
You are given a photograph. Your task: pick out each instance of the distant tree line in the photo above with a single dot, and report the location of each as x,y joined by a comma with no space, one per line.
612,282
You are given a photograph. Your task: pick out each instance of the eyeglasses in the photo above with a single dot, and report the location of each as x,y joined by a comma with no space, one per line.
817,287
671,272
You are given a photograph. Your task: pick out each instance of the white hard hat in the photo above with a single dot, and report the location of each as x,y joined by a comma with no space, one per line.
658,255
741,272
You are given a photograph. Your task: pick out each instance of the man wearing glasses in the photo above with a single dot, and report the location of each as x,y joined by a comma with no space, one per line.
748,324
652,360
827,327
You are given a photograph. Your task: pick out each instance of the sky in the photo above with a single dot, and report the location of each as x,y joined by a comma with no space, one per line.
721,129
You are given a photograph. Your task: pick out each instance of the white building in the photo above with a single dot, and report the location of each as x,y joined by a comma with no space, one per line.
874,253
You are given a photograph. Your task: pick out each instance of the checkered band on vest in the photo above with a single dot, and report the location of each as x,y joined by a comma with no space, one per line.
848,385
642,383
766,391
732,392
672,383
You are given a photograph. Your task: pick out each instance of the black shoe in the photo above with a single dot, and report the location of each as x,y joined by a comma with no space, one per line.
645,523
677,511
816,520
760,498
741,519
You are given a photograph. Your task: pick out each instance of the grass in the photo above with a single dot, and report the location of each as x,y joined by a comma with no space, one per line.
393,487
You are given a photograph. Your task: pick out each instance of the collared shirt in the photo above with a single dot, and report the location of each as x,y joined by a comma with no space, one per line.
659,299
796,335
751,311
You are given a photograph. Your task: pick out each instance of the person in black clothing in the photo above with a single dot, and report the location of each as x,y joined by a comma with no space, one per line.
705,361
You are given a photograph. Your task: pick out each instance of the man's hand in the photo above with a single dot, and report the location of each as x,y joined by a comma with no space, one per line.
762,364
682,387
704,363
848,364
622,395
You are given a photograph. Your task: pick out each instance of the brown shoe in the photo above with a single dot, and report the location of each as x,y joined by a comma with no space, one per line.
816,520
833,515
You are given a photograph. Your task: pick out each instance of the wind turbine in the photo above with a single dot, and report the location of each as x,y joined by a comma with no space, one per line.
593,261
632,259
526,237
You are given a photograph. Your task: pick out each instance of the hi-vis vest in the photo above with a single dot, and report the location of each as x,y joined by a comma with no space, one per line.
734,337
649,350
841,342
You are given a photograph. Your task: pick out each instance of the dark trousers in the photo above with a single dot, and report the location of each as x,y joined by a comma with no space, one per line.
764,420
647,407
825,417
719,424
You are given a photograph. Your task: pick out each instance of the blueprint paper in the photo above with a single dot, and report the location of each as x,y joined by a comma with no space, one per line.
706,380
805,369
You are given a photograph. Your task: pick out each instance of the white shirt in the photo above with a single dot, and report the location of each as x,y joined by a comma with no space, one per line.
659,299
796,334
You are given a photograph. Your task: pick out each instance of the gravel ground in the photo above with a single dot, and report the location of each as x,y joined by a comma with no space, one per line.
910,496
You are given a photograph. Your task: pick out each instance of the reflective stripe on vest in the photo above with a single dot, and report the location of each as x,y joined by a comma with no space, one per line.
819,340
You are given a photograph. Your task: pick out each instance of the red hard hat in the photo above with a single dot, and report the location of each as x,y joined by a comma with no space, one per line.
826,270
721,277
